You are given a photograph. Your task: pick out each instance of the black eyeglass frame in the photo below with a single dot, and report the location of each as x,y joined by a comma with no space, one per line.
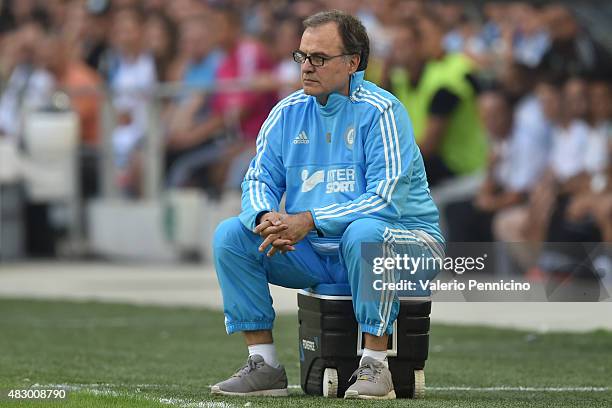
297,55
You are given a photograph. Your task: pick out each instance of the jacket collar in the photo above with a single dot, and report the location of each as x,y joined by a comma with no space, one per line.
335,101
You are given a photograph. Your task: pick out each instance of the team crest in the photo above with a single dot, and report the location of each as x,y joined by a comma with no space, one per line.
349,137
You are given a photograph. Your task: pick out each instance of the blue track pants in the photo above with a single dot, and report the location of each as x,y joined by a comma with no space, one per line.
244,273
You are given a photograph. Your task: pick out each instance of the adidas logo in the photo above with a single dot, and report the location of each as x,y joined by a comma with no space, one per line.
301,138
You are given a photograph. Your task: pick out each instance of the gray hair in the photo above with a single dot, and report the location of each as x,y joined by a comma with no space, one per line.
354,36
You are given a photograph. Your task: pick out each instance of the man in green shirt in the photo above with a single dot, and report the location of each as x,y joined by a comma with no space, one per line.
439,92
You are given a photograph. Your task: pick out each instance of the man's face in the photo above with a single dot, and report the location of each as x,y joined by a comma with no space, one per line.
333,76
514,81
127,32
51,56
431,38
227,29
195,39
406,47
600,97
550,99
561,23
495,114
575,98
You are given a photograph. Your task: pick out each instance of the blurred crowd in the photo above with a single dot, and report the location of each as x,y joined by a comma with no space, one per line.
518,91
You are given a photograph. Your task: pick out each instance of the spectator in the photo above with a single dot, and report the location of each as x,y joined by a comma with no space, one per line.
532,128
599,147
56,12
287,71
132,79
583,207
439,92
258,20
161,40
566,162
26,87
124,4
77,79
462,33
572,51
378,17
530,39
245,59
570,137
511,224
74,31
9,55
153,6
200,46
303,8
22,12
491,33
180,10
73,76
7,23
590,206
285,77
492,38
92,42
203,57
471,220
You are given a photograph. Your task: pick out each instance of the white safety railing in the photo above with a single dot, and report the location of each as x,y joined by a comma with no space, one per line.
152,150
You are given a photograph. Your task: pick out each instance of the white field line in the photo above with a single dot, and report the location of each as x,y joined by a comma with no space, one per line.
104,389
521,389
106,385
508,388
107,389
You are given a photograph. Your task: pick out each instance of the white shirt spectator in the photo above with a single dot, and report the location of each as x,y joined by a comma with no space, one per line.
381,37
529,145
454,41
26,89
503,167
287,72
529,49
132,82
596,155
567,157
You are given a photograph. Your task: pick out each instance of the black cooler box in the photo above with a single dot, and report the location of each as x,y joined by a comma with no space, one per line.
330,342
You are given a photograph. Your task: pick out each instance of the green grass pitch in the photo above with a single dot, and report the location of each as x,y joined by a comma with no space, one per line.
130,356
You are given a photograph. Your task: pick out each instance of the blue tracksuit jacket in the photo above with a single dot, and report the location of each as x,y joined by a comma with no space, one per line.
353,157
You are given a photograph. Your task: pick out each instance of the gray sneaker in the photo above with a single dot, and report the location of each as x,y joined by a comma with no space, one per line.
372,381
256,378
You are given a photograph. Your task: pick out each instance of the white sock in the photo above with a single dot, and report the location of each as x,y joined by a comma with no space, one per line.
376,355
267,351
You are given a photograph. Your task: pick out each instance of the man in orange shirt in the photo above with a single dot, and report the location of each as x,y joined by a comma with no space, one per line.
78,80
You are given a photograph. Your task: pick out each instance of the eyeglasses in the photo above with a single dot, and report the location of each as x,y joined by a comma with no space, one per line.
316,60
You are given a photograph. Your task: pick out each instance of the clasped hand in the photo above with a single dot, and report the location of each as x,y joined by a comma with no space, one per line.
283,231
